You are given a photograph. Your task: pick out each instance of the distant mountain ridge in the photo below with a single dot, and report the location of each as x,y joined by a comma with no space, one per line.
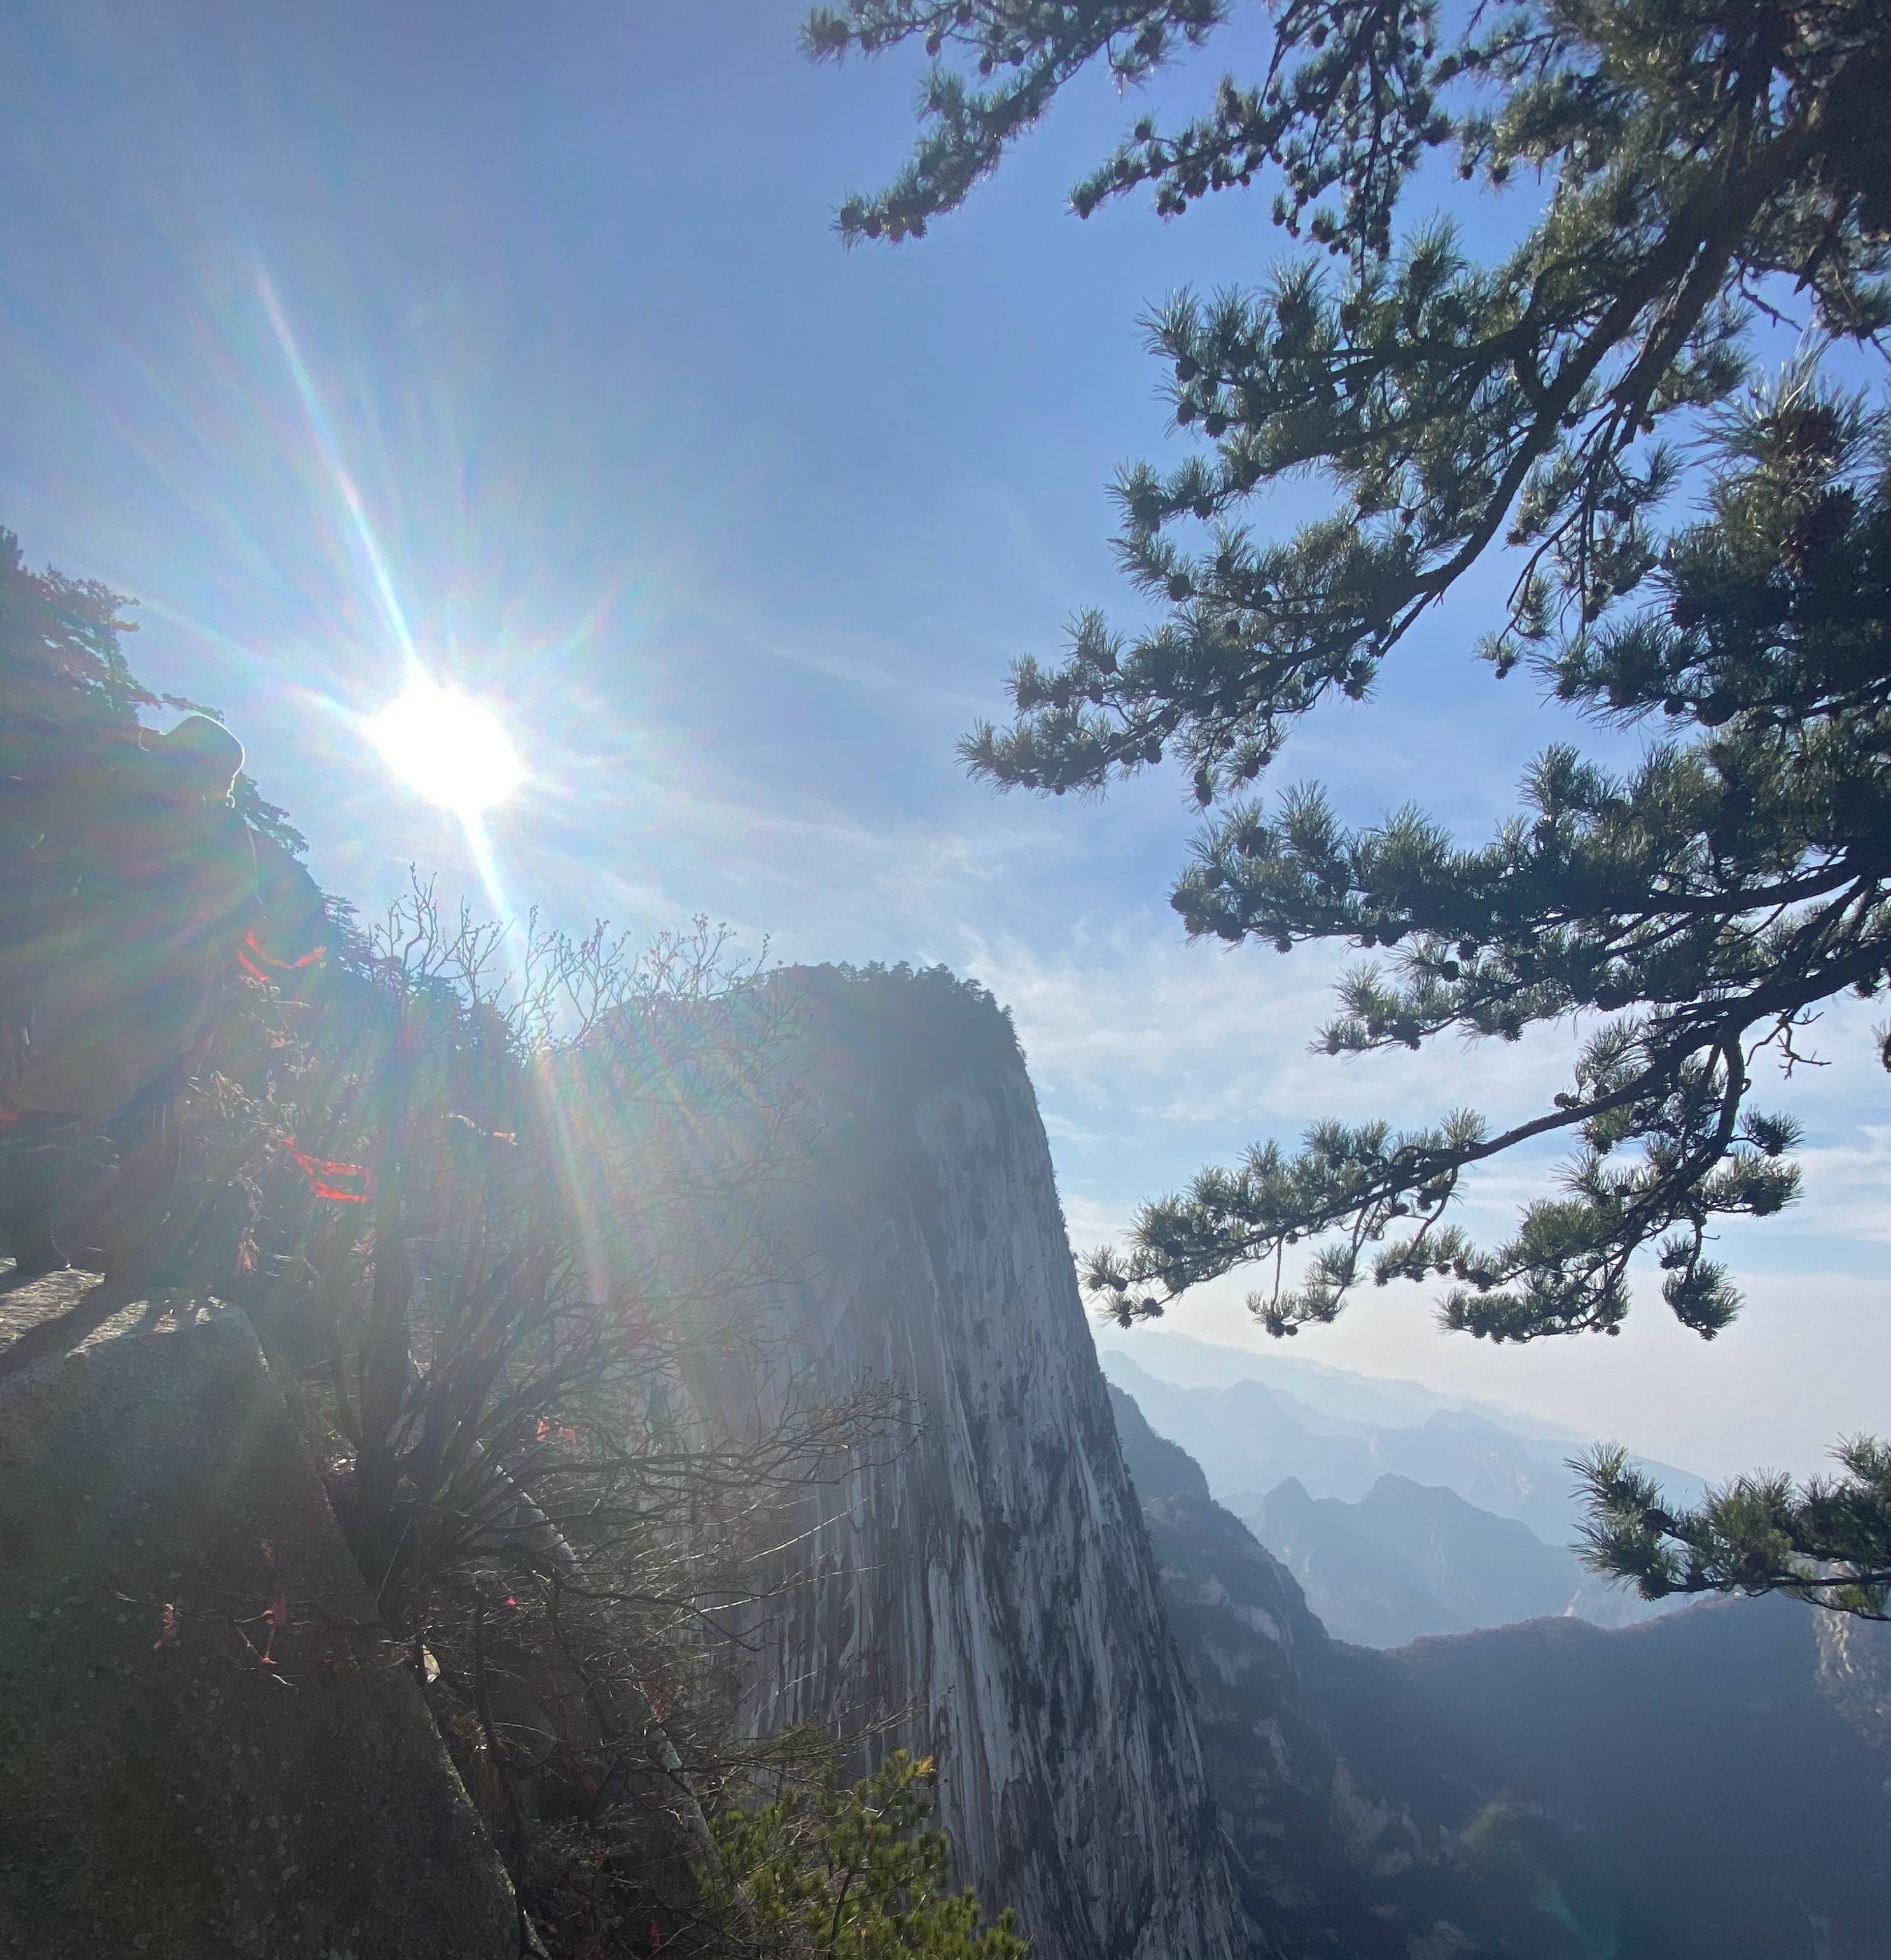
1410,1560
1249,1436
1157,1468
1388,1401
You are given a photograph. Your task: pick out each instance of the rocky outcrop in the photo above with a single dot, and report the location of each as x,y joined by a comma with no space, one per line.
206,1747
994,1580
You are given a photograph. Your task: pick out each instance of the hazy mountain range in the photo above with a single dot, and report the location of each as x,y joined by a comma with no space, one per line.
1256,1421
1324,1391
1710,1785
1400,1513
1410,1559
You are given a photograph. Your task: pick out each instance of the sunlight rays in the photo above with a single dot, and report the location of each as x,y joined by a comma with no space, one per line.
312,407
451,748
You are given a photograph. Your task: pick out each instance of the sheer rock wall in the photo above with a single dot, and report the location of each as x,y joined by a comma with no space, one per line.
994,1580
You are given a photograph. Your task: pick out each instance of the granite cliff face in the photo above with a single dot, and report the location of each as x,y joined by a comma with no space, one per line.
1149,1745
994,1580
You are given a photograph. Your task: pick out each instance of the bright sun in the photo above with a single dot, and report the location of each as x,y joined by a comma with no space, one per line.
452,749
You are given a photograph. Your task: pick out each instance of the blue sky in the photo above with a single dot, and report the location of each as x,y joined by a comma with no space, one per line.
743,529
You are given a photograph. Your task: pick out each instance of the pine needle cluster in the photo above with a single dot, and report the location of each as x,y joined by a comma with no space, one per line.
1698,548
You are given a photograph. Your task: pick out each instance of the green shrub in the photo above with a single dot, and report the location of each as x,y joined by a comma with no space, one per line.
829,1870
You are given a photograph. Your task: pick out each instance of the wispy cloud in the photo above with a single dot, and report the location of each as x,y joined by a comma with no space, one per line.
1127,1018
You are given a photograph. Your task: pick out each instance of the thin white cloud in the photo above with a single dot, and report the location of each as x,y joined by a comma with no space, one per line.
1130,1018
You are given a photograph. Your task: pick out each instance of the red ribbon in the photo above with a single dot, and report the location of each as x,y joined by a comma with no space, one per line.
253,945
332,1180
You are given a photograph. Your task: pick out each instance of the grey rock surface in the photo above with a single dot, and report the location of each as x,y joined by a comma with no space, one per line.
166,1791
995,1580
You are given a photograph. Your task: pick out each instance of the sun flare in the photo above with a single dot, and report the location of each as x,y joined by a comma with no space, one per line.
452,749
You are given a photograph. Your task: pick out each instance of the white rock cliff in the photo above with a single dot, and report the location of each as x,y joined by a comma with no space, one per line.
994,1580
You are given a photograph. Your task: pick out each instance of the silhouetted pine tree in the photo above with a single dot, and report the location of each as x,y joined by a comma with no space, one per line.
1707,165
